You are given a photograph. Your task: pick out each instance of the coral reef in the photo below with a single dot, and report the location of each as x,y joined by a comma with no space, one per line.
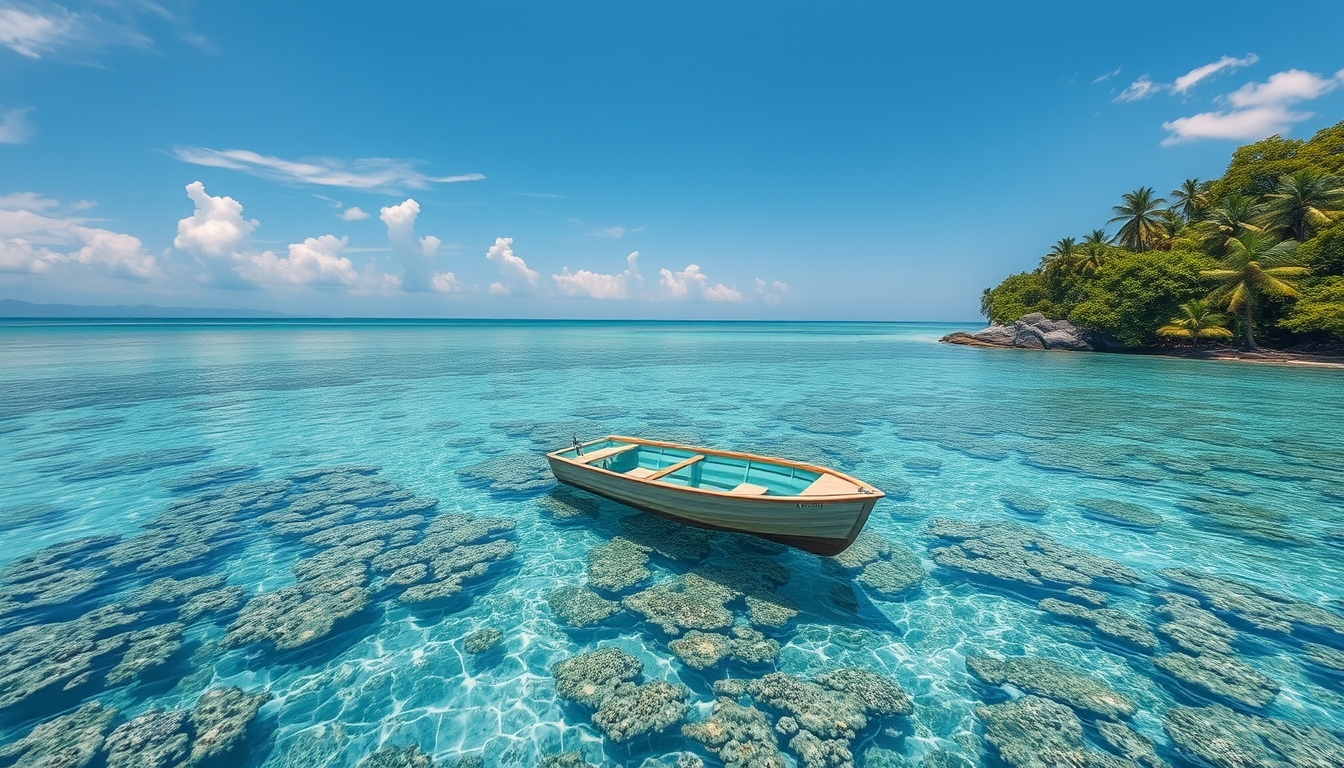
740,736
512,473
481,640
565,503
1032,732
1108,622
292,617
1258,607
690,601
1018,553
153,740
701,650
565,760
69,741
666,538
891,577
617,565
146,649
835,705
579,606
1120,513
1330,658
1193,629
1052,680
1226,739
220,719
1131,745
1222,676
410,756
624,710
1024,503
1089,596
62,654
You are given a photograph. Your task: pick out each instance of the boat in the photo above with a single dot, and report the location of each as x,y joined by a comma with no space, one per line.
804,506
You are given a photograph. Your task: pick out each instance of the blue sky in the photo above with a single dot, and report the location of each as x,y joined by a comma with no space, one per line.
763,160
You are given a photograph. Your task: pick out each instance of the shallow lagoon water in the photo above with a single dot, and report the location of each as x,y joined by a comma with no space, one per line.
104,427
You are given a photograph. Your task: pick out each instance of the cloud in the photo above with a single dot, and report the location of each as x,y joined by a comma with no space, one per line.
216,234
14,126
615,233
1107,76
1144,87
34,241
32,34
594,285
691,283
445,282
1255,110
773,292
417,256
46,28
371,173
316,262
353,213
539,194
517,275
1184,83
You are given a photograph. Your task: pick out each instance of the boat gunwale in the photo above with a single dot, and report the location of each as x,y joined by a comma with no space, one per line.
877,493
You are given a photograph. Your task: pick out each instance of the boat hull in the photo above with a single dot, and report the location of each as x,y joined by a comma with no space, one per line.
813,524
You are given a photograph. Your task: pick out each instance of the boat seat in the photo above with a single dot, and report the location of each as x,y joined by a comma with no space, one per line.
749,489
604,453
639,472
829,485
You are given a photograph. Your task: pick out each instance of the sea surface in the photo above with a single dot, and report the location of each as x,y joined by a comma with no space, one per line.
222,450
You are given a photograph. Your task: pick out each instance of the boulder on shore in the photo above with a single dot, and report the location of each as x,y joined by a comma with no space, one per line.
1036,331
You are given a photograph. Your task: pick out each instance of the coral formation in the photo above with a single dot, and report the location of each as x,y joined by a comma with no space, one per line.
410,756
69,741
617,565
701,650
1258,607
1222,676
1052,680
1018,553
567,503
1120,513
666,538
512,473
1024,503
1032,732
740,736
1129,744
481,640
1108,622
153,740
690,601
1192,628
624,710
579,606
220,719
1247,741
38,657
146,649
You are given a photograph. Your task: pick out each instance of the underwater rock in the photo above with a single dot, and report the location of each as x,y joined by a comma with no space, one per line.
617,565
168,590
481,640
700,650
579,606
1014,552
834,705
153,740
665,538
1222,676
1120,513
53,560
1089,596
891,577
53,589
1114,624
69,741
41,656
867,547
1258,607
624,710
688,602
354,534
410,756
567,503
291,617
148,648
565,760
740,736
752,647
1032,732
755,580
515,473
1024,503
217,601
1330,658
1192,628
674,760
821,753
1247,741
220,718
1237,518
1129,744
1052,680
772,611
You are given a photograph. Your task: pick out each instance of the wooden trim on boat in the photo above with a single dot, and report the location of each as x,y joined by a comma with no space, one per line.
675,467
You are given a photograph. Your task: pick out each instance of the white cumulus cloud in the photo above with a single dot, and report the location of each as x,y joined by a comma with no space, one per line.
445,282
216,234
517,276
34,239
353,213
595,285
773,292
1256,110
370,173
691,283
416,256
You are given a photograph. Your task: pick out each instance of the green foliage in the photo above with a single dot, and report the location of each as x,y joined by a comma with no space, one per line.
1320,309
1133,294
1256,265
1256,168
1197,321
1019,295
1141,225
1324,253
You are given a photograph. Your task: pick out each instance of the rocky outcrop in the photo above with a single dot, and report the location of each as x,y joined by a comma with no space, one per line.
1035,331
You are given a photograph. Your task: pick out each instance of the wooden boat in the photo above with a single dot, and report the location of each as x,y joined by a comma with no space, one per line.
812,508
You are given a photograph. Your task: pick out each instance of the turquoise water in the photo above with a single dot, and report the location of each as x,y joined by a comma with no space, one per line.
101,423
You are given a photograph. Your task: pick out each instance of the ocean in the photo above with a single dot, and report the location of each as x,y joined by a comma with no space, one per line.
320,514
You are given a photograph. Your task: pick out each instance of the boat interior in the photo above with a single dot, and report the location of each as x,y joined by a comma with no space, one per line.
708,471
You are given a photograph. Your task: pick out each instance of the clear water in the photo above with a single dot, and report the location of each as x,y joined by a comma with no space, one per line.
88,409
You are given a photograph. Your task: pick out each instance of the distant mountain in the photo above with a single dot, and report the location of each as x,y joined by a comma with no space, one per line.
16,308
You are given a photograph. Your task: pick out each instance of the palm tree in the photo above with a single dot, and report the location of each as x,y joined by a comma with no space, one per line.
1302,202
1172,224
1255,264
1093,252
1096,237
1232,217
1197,321
1191,199
1060,260
1141,225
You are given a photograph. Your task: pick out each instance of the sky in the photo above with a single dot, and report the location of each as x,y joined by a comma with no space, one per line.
750,160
